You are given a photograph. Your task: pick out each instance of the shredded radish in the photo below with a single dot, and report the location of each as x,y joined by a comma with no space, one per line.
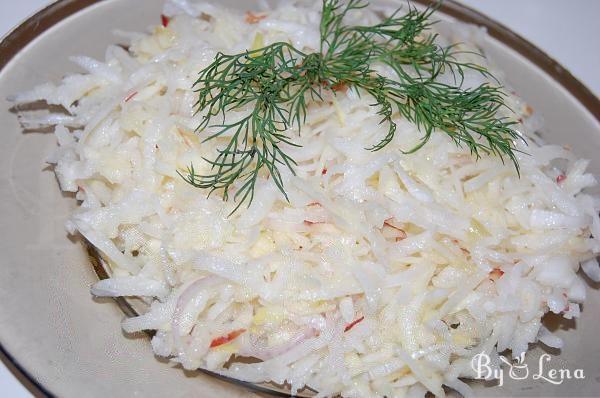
353,323
496,273
130,96
252,18
219,341
380,273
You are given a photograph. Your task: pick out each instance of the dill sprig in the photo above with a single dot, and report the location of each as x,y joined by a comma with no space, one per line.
275,84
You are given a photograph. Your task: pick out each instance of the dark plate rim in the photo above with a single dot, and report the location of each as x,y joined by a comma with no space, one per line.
46,18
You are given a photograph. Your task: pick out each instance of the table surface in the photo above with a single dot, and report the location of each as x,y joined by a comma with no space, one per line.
567,30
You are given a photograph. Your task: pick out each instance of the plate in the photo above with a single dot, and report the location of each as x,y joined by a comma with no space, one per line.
65,343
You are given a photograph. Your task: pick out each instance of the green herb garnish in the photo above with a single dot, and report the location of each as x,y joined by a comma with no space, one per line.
278,81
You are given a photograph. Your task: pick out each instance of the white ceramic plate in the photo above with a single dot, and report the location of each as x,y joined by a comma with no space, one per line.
67,344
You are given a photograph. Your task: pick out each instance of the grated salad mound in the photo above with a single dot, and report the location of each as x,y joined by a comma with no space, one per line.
383,275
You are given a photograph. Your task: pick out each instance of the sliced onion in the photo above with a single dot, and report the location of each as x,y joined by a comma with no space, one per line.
191,295
280,349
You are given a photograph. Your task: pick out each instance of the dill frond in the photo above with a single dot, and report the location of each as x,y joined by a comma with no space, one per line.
277,83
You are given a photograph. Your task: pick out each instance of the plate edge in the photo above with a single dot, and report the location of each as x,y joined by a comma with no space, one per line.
46,18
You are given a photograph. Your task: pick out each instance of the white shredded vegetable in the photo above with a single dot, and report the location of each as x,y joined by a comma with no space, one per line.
383,275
